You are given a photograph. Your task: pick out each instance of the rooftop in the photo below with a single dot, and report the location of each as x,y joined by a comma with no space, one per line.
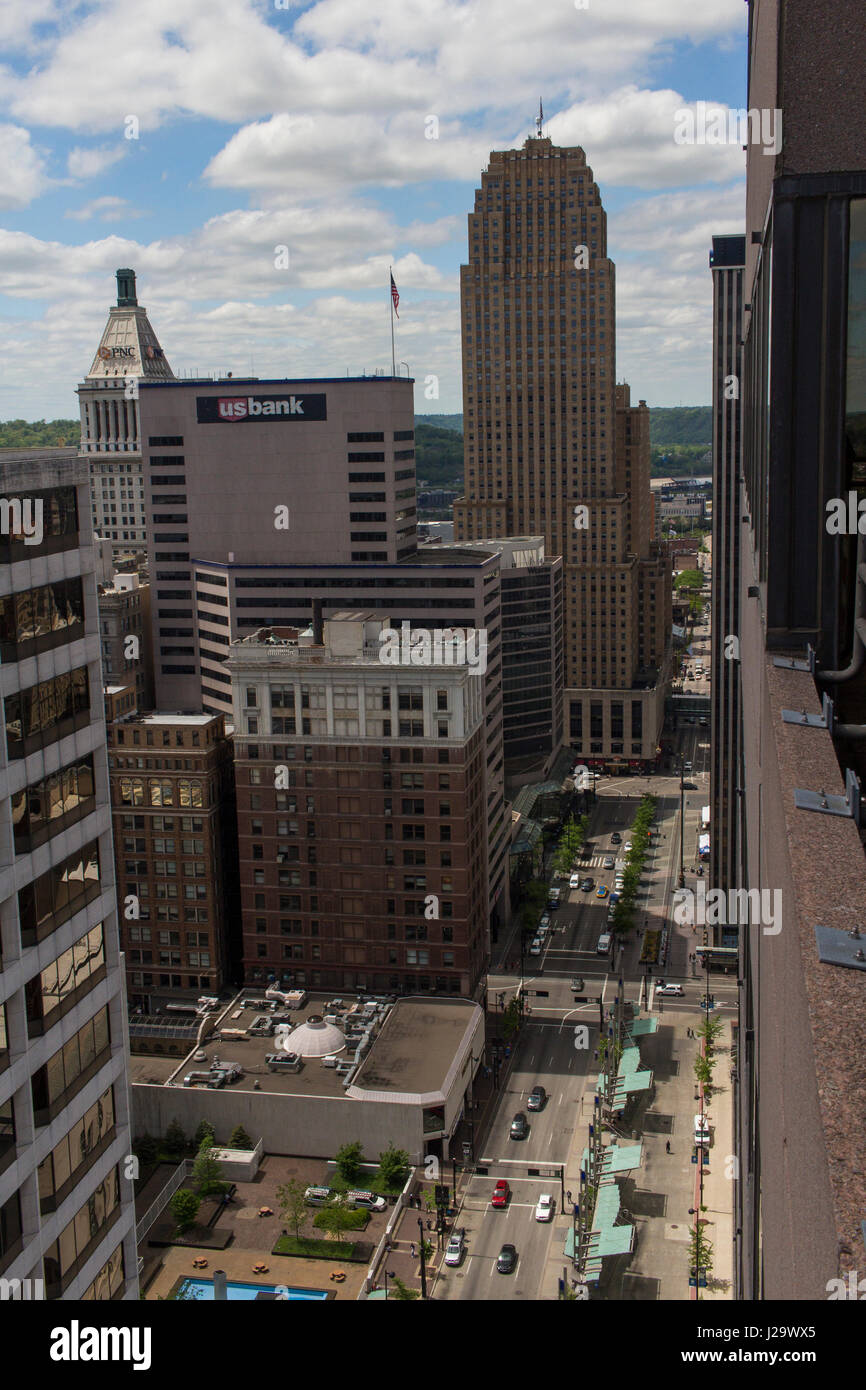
421,1041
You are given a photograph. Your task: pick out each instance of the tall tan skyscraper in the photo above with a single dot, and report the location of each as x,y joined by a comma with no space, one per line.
553,446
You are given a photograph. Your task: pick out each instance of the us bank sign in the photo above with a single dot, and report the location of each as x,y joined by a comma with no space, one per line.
220,410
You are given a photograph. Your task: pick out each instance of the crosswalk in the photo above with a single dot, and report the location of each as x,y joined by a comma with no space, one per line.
595,861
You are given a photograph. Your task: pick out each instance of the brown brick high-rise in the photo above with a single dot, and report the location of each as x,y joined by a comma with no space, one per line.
547,431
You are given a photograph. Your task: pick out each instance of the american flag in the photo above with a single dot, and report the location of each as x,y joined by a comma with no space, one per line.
395,296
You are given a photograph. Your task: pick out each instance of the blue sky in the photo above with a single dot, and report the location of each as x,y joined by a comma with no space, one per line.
256,126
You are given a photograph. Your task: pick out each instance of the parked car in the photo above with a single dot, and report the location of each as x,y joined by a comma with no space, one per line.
587,885
536,1098
544,920
519,1126
613,899
544,1207
455,1249
501,1194
536,948
609,862
506,1260
687,767
601,891
676,990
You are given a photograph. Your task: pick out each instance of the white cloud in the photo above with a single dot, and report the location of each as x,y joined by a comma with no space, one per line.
23,167
85,163
109,208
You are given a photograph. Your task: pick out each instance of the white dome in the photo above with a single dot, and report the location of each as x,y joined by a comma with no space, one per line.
315,1038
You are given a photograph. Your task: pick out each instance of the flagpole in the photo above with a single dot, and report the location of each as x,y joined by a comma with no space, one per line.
391,301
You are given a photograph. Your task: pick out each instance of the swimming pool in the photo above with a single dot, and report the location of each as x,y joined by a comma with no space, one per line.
201,1290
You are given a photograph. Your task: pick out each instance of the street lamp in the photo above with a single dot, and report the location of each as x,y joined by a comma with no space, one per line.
423,1264
682,878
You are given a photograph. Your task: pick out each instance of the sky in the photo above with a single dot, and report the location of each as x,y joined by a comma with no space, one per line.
261,163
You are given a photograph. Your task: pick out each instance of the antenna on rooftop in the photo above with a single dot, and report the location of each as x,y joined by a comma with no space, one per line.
539,120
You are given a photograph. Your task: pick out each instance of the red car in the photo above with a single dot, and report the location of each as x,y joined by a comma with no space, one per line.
501,1194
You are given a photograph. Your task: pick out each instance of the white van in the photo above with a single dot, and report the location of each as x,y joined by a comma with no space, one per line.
702,1131
603,947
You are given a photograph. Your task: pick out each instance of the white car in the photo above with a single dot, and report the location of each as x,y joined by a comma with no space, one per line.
676,990
626,847
536,947
544,1209
574,881
455,1249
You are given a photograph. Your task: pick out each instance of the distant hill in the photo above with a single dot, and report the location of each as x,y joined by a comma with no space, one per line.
438,454
39,434
444,422
681,424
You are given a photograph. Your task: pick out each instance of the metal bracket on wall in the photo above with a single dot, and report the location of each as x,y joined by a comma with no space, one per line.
793,663
837,947
847,805
824,720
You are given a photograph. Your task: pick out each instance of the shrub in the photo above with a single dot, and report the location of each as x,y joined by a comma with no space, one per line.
174,1142
184,1208
146,1148
204,1132
239,1139
349,1158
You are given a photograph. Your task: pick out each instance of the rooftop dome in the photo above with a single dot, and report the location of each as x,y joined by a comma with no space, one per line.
316,1038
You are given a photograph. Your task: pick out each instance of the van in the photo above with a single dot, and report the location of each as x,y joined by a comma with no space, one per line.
365,1201
603,947
318,1196
702,1132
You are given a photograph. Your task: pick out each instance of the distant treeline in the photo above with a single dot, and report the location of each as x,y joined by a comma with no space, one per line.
39,434
681,424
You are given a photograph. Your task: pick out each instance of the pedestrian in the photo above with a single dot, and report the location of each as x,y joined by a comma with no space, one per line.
568,1197
412,1249
668,1146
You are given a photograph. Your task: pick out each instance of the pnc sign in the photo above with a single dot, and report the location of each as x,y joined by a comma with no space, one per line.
237,409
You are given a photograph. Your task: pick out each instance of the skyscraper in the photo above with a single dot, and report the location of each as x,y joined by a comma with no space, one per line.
801,1189
128,353
553,447
66,1201
727,262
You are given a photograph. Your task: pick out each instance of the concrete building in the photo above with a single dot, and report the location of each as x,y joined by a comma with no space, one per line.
802,1190
532,651
175,838
66,1206
360,768
126,635
727,262
379,1071
267,473
553,447
128,353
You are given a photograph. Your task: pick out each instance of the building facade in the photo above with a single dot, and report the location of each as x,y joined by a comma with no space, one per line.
126,636
553,447
66,1201
172,793
128,353
801,1192
727,262
361,809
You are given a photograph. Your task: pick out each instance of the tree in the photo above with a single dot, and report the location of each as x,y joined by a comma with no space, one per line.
511,1019
292,1205
205,1131
146,1149
336,1219
174,1142
184,1208
401,1291
349,1158
393,1164
239,1139
207,1174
